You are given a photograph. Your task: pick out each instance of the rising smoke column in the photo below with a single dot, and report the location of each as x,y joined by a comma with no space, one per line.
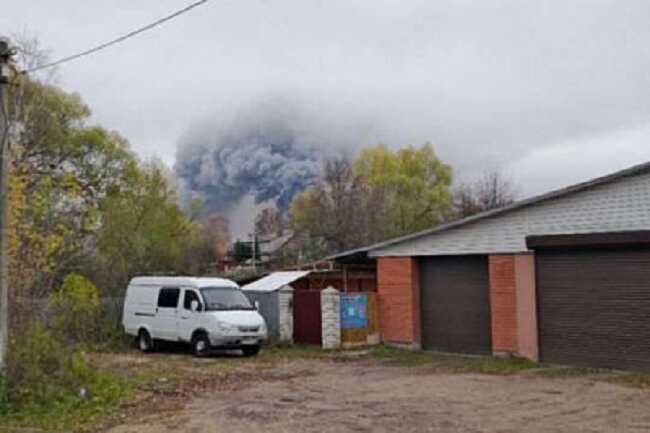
271,151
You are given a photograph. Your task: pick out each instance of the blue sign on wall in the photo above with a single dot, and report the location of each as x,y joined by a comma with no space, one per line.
354,312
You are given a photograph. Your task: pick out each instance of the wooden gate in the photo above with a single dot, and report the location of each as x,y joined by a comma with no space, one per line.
307,317
368,335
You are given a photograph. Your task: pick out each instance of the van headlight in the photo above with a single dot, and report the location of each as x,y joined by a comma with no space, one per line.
226,327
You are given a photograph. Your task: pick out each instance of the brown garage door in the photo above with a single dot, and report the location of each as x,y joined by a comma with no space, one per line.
594,307
455,304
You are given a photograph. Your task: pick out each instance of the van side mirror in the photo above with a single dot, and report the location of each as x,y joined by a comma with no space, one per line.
194,306
257,305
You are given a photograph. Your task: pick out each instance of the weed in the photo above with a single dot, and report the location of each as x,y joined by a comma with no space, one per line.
632,379
4,396
70,411
561,372
452,363
286,351
51,385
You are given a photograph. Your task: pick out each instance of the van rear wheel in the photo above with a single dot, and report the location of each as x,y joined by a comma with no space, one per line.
200,344
144,341
250,350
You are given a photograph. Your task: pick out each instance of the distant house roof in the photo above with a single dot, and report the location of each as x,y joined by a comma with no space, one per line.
274,281
272,245
360,253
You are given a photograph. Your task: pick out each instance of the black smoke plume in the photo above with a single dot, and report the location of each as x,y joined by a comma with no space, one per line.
271,151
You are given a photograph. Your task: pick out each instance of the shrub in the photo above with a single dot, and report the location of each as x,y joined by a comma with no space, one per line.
76,310
49,380
110,335
4,396
39,365
43,371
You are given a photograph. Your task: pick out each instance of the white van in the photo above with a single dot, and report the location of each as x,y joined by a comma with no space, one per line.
206,312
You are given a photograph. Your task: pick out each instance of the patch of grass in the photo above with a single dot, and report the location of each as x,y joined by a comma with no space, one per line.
631,379
70,412
52,386
285,351
452,363
562,372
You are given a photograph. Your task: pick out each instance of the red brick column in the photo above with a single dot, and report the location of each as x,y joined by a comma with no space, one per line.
527,345
513,305
503,303
399,300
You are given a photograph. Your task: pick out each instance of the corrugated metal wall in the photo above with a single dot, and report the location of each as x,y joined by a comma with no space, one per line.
269,308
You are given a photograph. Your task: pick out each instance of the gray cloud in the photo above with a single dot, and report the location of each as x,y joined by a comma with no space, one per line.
512,83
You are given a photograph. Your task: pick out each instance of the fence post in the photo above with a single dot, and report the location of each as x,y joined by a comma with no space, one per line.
285,304
330,301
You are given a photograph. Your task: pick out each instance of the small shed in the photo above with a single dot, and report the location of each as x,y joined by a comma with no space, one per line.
274,296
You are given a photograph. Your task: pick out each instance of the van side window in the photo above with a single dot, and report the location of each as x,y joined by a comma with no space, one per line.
168,297
190,295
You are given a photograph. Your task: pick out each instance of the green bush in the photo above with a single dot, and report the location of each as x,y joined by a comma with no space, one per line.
110,335
47,379
76,310
42,368
4,396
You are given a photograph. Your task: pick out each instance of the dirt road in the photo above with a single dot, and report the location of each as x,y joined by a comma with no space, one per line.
328,396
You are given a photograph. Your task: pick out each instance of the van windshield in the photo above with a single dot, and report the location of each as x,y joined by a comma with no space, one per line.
225,299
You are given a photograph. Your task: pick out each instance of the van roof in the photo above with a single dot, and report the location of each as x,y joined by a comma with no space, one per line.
182,281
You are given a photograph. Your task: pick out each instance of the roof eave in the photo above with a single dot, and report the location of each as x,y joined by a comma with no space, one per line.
582,186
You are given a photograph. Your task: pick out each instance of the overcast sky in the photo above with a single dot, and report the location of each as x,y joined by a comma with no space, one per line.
551,92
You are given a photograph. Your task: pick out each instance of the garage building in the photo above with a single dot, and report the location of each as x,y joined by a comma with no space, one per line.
563,277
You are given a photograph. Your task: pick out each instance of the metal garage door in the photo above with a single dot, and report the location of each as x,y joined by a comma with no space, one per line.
307,317
455,304
594,307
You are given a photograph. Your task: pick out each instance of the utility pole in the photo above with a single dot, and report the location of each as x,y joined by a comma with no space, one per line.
5,71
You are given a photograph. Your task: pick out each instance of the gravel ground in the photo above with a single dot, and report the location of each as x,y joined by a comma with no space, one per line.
316,395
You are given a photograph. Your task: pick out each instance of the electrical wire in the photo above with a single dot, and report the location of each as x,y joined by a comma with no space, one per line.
116,40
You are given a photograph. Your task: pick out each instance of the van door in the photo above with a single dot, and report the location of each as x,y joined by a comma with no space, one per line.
189,320
167,313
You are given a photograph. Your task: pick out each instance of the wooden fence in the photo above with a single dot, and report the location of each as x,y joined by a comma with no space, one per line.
369,334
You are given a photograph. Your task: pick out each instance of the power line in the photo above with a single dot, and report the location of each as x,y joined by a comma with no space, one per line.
116,40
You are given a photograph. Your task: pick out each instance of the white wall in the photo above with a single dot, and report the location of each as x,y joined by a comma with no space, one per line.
285,314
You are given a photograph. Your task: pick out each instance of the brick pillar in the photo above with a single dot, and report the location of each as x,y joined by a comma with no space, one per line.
330,302
513,305
285,314
503,303
398,293
527,344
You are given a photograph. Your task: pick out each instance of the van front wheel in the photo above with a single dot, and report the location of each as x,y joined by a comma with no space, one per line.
145,342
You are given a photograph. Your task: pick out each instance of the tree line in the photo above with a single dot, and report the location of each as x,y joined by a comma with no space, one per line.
81,201
381,194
